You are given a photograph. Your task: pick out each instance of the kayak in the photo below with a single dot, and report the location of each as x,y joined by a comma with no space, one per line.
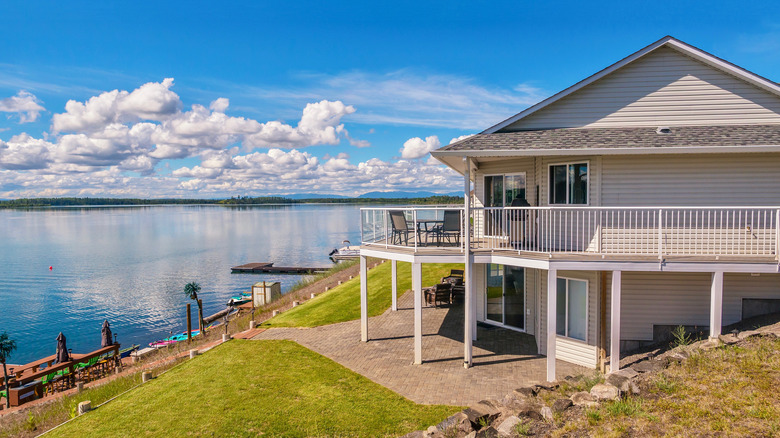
173,339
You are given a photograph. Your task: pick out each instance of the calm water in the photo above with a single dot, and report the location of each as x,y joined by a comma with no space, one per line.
130,264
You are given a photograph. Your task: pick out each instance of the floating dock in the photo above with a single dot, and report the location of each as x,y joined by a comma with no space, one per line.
269,268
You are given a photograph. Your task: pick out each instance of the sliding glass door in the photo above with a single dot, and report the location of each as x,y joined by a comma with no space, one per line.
505,296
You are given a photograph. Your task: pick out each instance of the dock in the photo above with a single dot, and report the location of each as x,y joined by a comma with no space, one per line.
269,268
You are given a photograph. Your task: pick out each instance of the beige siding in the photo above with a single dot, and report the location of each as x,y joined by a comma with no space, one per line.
576,352
663,88
569,350
666,298
691,180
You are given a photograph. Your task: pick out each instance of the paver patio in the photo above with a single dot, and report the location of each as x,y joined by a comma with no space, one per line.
503,359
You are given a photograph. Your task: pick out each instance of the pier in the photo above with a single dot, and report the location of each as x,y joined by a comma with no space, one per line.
269,268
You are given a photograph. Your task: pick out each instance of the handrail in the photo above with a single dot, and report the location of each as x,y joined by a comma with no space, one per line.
644,230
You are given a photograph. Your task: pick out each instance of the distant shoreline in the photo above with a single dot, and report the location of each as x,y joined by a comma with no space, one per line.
243,200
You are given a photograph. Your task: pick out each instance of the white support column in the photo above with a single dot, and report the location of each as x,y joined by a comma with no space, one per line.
552,326
417,288
614,313
468,303
363,300
394,306
716,305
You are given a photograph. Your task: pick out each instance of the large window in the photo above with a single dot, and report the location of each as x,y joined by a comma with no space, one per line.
572,308
569,183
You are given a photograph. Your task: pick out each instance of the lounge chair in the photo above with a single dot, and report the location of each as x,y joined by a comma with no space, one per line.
401,228
450,229
440,293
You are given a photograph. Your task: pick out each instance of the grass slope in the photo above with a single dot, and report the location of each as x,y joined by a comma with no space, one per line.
729,391
251,388
342,303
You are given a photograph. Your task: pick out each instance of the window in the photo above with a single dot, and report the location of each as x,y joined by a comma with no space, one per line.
572,308
569,183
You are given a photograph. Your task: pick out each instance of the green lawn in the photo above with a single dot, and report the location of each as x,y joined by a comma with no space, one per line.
342,303
251,388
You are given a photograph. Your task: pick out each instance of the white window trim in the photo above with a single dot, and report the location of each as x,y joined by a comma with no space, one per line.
503,195
566,317
549,182
525,299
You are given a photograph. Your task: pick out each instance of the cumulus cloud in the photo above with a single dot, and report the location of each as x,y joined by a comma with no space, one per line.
416,147
100,146
24,104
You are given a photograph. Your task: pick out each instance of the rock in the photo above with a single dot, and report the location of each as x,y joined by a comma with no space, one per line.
507,427
547,413
458,422
635,388
605,391
481,411
648,366
415,434
488,432
84,407
431,431
710,344
552,386
728,339
748,334
527,391
471,435
622,379
530,413
582,398
561,404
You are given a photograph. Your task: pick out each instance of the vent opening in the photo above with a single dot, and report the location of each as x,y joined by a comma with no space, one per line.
663,130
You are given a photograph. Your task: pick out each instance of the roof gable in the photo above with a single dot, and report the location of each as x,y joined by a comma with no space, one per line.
666,83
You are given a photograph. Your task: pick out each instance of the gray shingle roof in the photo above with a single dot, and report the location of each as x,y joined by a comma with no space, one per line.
605,138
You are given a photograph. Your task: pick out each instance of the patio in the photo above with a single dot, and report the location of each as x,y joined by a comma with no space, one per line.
503,359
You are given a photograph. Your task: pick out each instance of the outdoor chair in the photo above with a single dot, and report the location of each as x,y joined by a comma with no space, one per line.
440,293
401,228
450,228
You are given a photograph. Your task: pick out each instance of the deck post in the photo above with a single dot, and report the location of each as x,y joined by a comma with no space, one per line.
552,325
417,287
614,313
363,299
394,270
716,305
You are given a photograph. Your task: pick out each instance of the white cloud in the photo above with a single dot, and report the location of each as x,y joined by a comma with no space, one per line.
462,137
320,124
23,152
409,97
416,147
24,104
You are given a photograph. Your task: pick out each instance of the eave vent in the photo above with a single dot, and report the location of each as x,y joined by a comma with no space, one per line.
663,130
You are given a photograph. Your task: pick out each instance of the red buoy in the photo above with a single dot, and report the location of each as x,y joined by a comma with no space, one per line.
51,267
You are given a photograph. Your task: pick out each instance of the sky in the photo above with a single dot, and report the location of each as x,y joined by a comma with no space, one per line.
250,98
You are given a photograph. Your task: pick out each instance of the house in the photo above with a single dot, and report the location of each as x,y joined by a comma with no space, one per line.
652,194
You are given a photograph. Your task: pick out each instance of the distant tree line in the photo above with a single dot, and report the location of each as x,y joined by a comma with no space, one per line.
240,200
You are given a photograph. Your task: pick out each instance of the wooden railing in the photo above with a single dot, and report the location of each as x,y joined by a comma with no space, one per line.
633,231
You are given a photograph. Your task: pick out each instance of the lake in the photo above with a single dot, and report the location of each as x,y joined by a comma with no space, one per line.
130,264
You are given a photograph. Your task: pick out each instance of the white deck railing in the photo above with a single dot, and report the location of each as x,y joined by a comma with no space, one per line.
633,231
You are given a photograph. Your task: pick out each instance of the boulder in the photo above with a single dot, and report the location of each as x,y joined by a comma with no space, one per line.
635,388
483,410
527,391
622,379
471,435
728,339
458,422
530,413
583,398
561,404
432,431
507,427
648,366
605,391
415,434
488,432
547,413
552,386
748,334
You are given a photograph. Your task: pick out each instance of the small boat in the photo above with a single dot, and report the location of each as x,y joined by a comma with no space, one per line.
173,339
239,300
345,252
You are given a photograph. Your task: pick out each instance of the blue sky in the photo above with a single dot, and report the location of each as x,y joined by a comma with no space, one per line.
384,83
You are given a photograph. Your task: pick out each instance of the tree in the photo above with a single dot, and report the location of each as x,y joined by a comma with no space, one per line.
7,346
191,290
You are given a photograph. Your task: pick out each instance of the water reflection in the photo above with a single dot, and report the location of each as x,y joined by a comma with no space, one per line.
129,264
